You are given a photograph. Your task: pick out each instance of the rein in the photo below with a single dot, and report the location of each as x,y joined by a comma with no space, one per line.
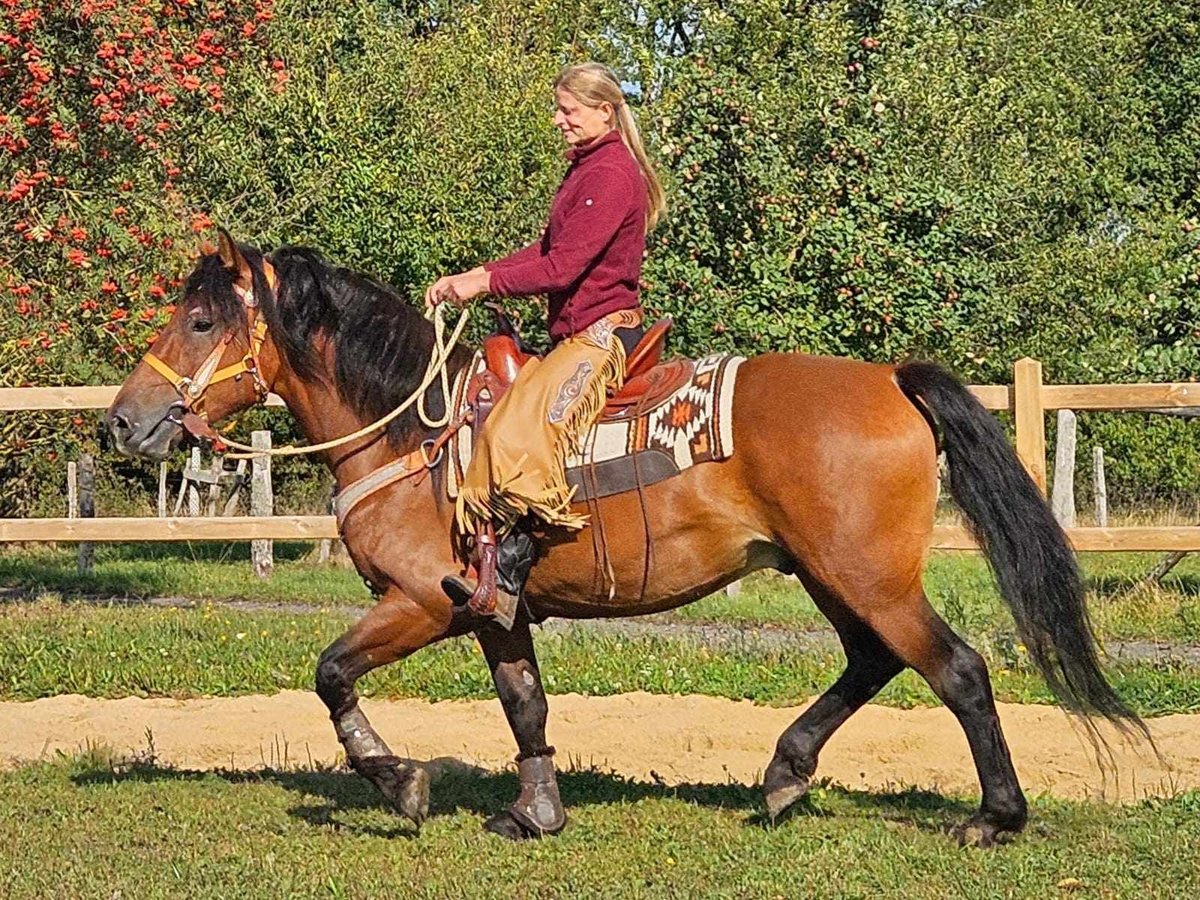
191,390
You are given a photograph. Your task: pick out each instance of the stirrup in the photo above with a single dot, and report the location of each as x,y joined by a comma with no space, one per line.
460,591
487,598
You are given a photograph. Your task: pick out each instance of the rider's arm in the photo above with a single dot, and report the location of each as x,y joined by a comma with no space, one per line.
586,231
525,254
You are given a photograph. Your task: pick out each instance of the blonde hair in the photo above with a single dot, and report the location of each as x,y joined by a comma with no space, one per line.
591,84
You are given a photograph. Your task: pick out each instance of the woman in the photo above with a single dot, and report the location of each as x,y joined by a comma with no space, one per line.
588,261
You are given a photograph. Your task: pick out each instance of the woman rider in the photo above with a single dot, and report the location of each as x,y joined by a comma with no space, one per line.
588,261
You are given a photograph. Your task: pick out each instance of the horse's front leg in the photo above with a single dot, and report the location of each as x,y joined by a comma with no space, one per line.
394,628
538,809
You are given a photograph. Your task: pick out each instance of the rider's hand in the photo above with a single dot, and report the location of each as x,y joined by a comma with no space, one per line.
459,289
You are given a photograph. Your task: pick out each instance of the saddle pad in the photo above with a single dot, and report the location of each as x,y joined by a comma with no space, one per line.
693,424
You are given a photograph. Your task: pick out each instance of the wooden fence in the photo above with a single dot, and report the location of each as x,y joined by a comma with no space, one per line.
1028,398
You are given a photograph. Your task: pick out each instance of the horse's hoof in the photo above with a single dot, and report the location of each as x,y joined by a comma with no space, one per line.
404,786
977,832
782,789
506,825
413,799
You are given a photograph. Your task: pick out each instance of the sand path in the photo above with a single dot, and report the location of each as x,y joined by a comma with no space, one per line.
692,739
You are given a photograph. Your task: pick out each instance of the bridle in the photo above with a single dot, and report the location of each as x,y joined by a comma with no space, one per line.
191,389
195,418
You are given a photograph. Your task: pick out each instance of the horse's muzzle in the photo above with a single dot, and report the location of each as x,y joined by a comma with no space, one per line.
151,436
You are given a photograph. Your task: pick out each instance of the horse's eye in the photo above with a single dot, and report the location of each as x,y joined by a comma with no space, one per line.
201,326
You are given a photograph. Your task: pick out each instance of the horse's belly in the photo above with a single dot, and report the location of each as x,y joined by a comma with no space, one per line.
702,537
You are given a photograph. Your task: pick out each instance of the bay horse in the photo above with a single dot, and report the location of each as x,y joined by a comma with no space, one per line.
834,480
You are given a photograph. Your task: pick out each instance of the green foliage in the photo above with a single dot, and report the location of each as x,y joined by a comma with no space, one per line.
970,181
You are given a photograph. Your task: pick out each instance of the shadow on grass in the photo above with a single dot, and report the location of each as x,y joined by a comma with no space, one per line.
157,576
1116,587
459,787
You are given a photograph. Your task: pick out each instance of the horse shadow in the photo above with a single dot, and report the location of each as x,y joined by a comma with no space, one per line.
326,794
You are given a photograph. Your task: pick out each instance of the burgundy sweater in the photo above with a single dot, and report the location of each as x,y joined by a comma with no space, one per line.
589,257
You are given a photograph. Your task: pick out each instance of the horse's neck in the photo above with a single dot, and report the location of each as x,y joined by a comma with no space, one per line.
323,416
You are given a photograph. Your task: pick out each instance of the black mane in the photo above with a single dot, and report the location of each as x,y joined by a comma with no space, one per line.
381,344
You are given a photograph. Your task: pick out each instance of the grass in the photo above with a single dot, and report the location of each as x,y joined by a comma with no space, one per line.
202,571
959,585
81,827
53,648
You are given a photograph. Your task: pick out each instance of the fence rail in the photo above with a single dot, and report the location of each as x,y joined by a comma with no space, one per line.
1027,398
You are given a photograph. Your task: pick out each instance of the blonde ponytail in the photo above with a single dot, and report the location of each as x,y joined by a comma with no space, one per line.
592,84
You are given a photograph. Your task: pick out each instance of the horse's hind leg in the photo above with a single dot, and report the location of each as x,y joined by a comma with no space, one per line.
394,628
538,808
870,665
958,675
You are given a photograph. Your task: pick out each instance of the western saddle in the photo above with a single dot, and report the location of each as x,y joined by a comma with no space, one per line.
647,378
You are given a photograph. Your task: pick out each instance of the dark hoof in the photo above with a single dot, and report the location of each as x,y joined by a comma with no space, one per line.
506,825
406,787
413,798
782,789
978,832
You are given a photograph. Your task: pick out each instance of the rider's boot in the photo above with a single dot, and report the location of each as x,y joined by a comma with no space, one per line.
502,572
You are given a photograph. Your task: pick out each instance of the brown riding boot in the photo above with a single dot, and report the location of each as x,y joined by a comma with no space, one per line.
486,597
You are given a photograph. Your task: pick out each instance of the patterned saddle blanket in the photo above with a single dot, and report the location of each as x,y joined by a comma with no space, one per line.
642,443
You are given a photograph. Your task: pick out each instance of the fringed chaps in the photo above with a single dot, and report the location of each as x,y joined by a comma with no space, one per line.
517,465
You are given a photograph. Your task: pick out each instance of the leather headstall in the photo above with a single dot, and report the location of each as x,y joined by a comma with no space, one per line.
191,389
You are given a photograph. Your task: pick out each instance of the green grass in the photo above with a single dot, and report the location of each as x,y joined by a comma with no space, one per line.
202,571
54,648
82,828
959,585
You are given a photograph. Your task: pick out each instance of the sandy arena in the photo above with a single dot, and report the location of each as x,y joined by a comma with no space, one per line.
692,739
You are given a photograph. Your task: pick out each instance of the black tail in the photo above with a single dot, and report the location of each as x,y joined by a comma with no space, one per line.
1034,565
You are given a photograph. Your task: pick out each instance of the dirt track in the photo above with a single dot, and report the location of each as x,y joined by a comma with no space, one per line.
689,739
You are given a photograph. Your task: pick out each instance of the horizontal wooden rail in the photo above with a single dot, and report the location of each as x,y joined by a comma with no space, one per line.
1165,538
306,528
223,528
992,396
1120,396
101,397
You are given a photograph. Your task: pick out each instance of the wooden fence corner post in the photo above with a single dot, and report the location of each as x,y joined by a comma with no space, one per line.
1030,417
262,503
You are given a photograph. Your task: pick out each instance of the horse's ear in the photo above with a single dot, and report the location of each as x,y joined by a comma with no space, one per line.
227,249
232,259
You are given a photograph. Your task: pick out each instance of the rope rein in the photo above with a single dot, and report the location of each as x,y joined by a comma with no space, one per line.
436,368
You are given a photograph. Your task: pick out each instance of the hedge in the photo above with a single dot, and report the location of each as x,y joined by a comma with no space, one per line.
971,181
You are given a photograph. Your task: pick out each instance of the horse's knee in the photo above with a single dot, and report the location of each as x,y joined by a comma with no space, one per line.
334,682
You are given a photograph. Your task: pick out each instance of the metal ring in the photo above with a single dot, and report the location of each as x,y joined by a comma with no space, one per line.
431,463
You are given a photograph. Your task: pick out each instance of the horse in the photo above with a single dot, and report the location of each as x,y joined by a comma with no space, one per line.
834,480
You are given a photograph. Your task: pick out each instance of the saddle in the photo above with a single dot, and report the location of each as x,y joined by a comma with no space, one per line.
648,380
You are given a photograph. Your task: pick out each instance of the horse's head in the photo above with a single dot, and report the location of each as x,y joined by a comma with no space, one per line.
207,363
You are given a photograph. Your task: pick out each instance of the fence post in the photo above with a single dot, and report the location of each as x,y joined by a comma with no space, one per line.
1063,498
1100,486
262,502
87,509
72,491
326,545
193,486
162,490
1030,416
